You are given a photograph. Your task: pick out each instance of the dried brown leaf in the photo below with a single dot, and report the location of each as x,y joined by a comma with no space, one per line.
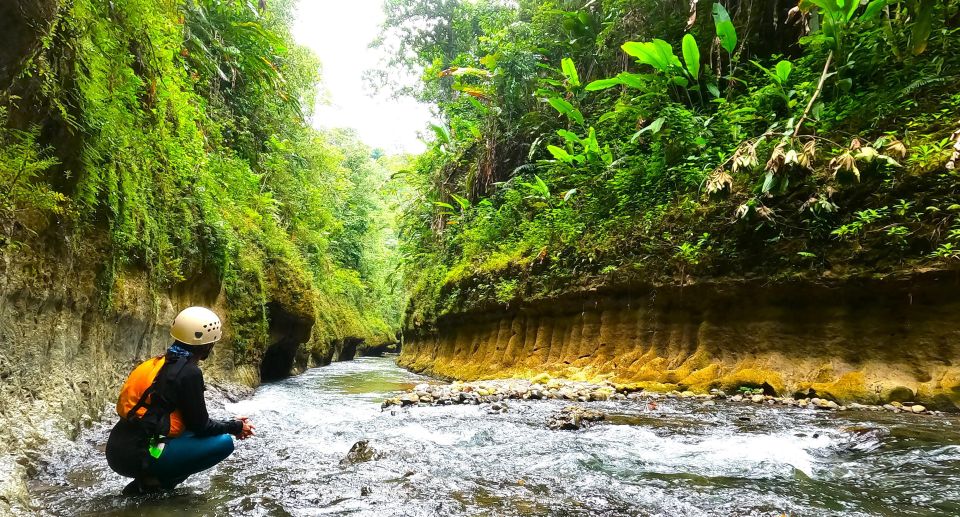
719,182
765,212
745,157
777,158
896,149
844,167
742,211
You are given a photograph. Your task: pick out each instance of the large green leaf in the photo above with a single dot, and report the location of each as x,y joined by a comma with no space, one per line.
568,136
726,32
783,70
570,71
603,84
922,13
638,81
463,202
691,55
443,136
565,108
657,53
873,9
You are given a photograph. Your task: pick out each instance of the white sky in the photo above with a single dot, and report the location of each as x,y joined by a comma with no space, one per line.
339,32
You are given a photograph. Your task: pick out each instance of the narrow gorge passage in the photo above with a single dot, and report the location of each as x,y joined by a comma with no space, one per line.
673,257
684,458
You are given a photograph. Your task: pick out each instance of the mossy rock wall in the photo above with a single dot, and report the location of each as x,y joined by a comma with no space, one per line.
865,341
65,350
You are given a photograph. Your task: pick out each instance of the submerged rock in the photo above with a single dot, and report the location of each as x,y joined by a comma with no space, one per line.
361,452
573,417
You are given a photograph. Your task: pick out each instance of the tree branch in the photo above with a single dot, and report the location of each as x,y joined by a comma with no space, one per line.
816,93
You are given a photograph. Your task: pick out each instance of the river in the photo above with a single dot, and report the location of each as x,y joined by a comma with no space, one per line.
684,458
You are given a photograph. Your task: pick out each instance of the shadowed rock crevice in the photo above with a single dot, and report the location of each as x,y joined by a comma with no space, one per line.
287,332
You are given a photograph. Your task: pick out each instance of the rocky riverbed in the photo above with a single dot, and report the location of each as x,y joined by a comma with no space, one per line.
323,446
494,392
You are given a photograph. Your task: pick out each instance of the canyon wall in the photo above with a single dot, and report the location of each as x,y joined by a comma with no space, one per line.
64,352
867,341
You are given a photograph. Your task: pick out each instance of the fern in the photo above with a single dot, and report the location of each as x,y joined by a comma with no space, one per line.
925,82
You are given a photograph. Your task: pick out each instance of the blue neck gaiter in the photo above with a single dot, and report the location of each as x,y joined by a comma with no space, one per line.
178,350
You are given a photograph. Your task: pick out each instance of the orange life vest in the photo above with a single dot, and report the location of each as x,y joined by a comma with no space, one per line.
139,380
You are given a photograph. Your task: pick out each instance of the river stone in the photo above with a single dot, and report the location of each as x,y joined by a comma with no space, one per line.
360,452
757,398
736,398
918,408
573,417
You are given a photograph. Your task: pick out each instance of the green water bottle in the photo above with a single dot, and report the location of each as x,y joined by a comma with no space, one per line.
156,447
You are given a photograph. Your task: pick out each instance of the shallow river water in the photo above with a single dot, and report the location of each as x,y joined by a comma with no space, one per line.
684,458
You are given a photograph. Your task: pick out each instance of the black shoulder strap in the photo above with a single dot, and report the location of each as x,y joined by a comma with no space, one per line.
159,382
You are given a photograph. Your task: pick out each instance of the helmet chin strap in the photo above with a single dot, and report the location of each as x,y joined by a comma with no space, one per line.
203,351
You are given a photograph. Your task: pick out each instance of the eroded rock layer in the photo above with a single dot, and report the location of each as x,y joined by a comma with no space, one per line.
867,341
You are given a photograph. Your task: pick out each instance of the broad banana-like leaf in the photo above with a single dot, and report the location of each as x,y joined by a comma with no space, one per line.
565,108
570,71
560,154
922,13
873,9
726,32
463,202
590,143
568,136
657,53
638,81
654,127
691,55
443,136
603,84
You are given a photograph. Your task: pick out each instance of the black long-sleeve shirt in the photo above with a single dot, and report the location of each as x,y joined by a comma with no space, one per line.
189,388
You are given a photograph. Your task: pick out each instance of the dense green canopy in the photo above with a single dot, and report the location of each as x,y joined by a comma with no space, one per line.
173,137
599,143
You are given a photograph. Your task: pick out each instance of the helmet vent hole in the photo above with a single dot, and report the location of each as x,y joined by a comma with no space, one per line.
198,334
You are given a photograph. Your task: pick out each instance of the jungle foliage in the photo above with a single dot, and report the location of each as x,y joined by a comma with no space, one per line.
179,130
608,142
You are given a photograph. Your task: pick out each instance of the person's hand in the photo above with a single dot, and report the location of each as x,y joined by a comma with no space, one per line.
247,430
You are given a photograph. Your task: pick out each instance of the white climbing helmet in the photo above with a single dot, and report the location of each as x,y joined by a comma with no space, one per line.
196,326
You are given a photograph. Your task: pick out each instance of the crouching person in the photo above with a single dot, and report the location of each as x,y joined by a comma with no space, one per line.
164,434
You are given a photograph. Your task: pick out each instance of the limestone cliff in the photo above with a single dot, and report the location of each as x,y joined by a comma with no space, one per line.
867,341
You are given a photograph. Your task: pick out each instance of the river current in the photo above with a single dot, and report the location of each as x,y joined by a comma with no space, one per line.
683,458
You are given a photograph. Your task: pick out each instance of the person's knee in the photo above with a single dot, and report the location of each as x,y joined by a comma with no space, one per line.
223,445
